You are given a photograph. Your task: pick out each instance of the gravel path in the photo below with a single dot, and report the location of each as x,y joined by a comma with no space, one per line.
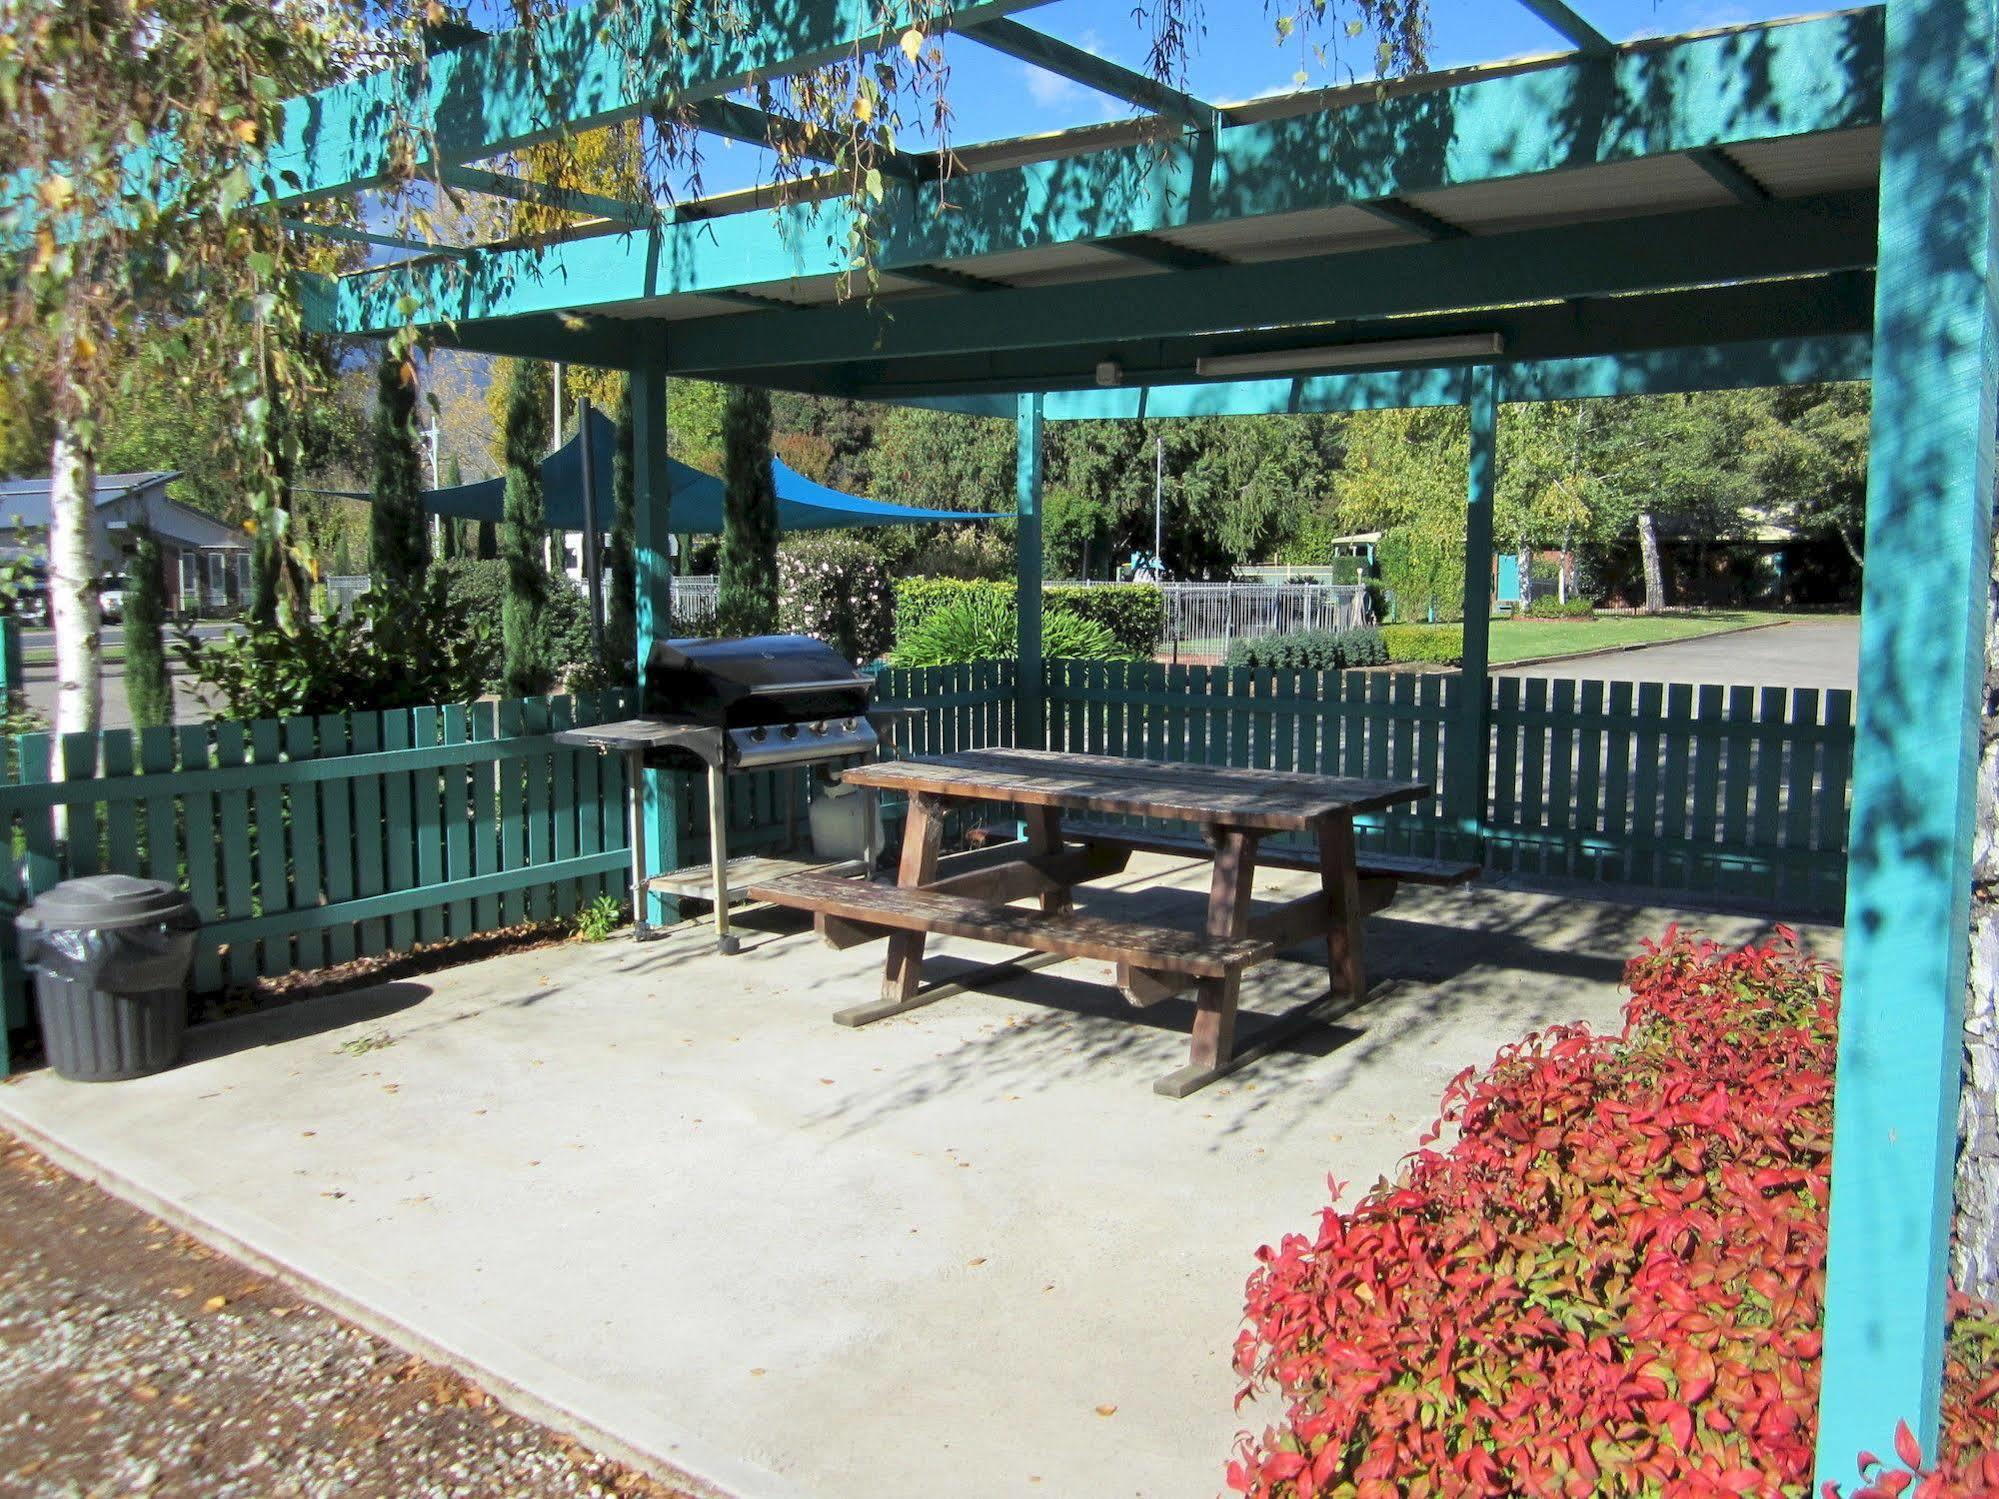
134,1360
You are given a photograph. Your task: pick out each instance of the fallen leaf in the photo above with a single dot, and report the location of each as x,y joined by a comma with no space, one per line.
1107,1410
756,1374
976,1261
215,1303
145,1394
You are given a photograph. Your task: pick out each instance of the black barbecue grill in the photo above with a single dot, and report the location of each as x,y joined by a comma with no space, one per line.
727,705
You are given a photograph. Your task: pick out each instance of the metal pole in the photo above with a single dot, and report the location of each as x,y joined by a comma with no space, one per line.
1159,508
718,858
593,561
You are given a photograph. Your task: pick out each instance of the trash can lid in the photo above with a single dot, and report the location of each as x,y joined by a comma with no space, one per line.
106,900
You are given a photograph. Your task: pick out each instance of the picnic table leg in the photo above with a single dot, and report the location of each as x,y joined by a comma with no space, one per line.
1212,1047
1044,836
1339,877
922,836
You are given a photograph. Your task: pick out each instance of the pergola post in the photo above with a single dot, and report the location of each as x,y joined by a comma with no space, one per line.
652,566
1030,694
1468,746
1922,662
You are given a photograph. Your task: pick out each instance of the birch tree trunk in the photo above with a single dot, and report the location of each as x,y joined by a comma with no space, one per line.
1975,1229
72,581
1655,578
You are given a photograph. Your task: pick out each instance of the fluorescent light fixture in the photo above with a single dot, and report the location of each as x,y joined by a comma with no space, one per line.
1349,356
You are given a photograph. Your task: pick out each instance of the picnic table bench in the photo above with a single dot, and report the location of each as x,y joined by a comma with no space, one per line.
971,895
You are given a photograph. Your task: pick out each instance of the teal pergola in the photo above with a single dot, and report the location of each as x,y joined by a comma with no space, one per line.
1801,200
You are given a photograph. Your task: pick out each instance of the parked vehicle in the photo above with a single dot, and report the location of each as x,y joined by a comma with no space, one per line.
111,598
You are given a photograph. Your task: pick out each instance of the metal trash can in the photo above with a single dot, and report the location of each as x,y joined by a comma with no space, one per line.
110,955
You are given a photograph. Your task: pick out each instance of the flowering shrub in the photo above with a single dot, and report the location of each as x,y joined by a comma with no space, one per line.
1609,1282
836,590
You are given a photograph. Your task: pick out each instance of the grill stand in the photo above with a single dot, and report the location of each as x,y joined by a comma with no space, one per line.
718,859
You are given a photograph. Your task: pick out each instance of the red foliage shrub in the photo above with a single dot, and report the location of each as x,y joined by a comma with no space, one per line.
1609,1282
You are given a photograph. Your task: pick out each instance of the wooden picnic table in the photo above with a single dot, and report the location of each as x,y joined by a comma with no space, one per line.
970,895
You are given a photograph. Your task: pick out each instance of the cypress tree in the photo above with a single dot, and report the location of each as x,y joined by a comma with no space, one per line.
746,583
400,547
149,692
447,528
621,608
524,530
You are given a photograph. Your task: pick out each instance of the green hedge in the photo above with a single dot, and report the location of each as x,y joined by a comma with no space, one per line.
1133,614
1311,650
1442,645
1423,573
1549,607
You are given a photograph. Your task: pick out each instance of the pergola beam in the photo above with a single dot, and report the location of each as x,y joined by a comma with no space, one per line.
1607,257
346,234
1053,55
545,195
757,127
1814,75
1586,38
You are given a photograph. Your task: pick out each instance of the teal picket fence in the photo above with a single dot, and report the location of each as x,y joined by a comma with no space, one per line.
313,841
1736,791
316,840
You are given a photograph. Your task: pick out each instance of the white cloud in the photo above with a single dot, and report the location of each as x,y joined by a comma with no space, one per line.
1049,89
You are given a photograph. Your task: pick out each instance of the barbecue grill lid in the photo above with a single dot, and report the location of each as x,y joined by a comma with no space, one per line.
760,661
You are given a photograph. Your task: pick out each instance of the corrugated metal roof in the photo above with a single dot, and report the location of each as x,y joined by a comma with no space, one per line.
108,488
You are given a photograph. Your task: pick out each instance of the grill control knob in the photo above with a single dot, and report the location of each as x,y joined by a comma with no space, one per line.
819,729
790,731
758,735
849,726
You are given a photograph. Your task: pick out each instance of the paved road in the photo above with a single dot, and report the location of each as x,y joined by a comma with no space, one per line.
1813,653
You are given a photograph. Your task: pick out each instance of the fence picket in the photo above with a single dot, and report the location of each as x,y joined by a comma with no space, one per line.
200,844
486,814
370,846
427,823
399,813
336,834
268,802
232,804
308,876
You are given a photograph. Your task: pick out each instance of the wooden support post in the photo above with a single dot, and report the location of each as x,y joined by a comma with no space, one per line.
1922,664
1230,888
1044,837
1467,744
662,791
1030,692
1346,914
922,836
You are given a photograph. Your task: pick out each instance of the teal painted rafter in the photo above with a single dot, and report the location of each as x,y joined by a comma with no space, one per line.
1722,168
483,98
1408,216
948,277
1614,256
1587,39
566,200
1814,75
1149,250
1079,66
742,122
351,236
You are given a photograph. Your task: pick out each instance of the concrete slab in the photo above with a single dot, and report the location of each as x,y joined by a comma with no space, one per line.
1821,653
656,1195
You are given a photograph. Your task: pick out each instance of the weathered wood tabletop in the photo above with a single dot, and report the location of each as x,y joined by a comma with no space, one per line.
1265,801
